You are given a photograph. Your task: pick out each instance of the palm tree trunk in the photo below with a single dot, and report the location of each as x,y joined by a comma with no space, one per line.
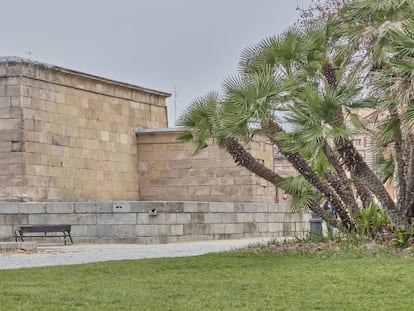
340,182
410,176
308,173
363,191
318,210
243,158
347,198
357,166
401,165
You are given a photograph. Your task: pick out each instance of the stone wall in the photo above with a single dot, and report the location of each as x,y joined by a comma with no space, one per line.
155,222
284,169
169,170
11,136
66,135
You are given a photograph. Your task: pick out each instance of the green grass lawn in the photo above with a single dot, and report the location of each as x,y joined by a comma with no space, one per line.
226,281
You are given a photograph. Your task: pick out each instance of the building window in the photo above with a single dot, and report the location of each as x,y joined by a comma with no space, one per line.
358,142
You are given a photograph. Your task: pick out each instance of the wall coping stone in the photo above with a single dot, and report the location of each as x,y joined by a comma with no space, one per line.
13,60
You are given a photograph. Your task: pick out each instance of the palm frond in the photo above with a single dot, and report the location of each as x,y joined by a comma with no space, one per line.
200,121
385,167
387,131
302,195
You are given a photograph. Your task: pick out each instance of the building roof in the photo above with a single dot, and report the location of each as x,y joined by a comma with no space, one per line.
13,60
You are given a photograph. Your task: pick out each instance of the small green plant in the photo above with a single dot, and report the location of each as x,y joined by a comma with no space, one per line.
309,238
403,236
372,220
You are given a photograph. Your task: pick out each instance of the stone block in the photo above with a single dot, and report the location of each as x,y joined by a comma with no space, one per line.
157,219
13,219
302,227
187,228
197,218
32,208
273,217
174,207
220,217
5,146
142,218
170,218
218,228
127,230
85,208
6,231
306,217
175,230
106,231
60,140
293,217
262,228
56,219
244,217
121,207
249,227
79,231
183,218
91,231
191,207
234,228
275,227
117,219
5,101
288,229
10,135
9,208
147,230
145,206
60,208
246,207
200,229
259,217
229,207
277,208
104,207
217,207
10,124
261,208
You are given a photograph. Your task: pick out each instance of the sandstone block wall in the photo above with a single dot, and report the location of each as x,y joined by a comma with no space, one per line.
11,137
66,135
169,170
155,222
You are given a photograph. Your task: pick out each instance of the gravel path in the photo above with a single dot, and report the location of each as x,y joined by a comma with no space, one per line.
86,253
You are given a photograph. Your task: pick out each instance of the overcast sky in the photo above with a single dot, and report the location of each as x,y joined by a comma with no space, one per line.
189,46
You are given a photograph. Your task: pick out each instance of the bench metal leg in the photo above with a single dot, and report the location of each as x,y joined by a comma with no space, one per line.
18,234
67,234
71,241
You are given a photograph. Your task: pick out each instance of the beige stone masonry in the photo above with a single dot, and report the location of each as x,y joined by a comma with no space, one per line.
67,135
169,170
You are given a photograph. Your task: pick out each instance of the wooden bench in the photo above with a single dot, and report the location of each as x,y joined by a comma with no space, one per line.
23,230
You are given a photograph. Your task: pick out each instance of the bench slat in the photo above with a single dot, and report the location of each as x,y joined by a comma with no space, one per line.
64,229
45,228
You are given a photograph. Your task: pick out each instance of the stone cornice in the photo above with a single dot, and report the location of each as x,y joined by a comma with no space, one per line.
16,66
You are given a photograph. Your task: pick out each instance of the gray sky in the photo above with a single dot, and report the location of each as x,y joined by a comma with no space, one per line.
190,45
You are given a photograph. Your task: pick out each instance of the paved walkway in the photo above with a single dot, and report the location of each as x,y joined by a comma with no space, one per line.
86,253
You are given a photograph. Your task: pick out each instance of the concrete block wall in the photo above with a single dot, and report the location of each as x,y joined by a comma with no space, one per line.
71,134
156,222
169,170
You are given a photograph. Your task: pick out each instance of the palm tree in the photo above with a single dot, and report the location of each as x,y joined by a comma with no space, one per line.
295,58
382,32
203,126
311,81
